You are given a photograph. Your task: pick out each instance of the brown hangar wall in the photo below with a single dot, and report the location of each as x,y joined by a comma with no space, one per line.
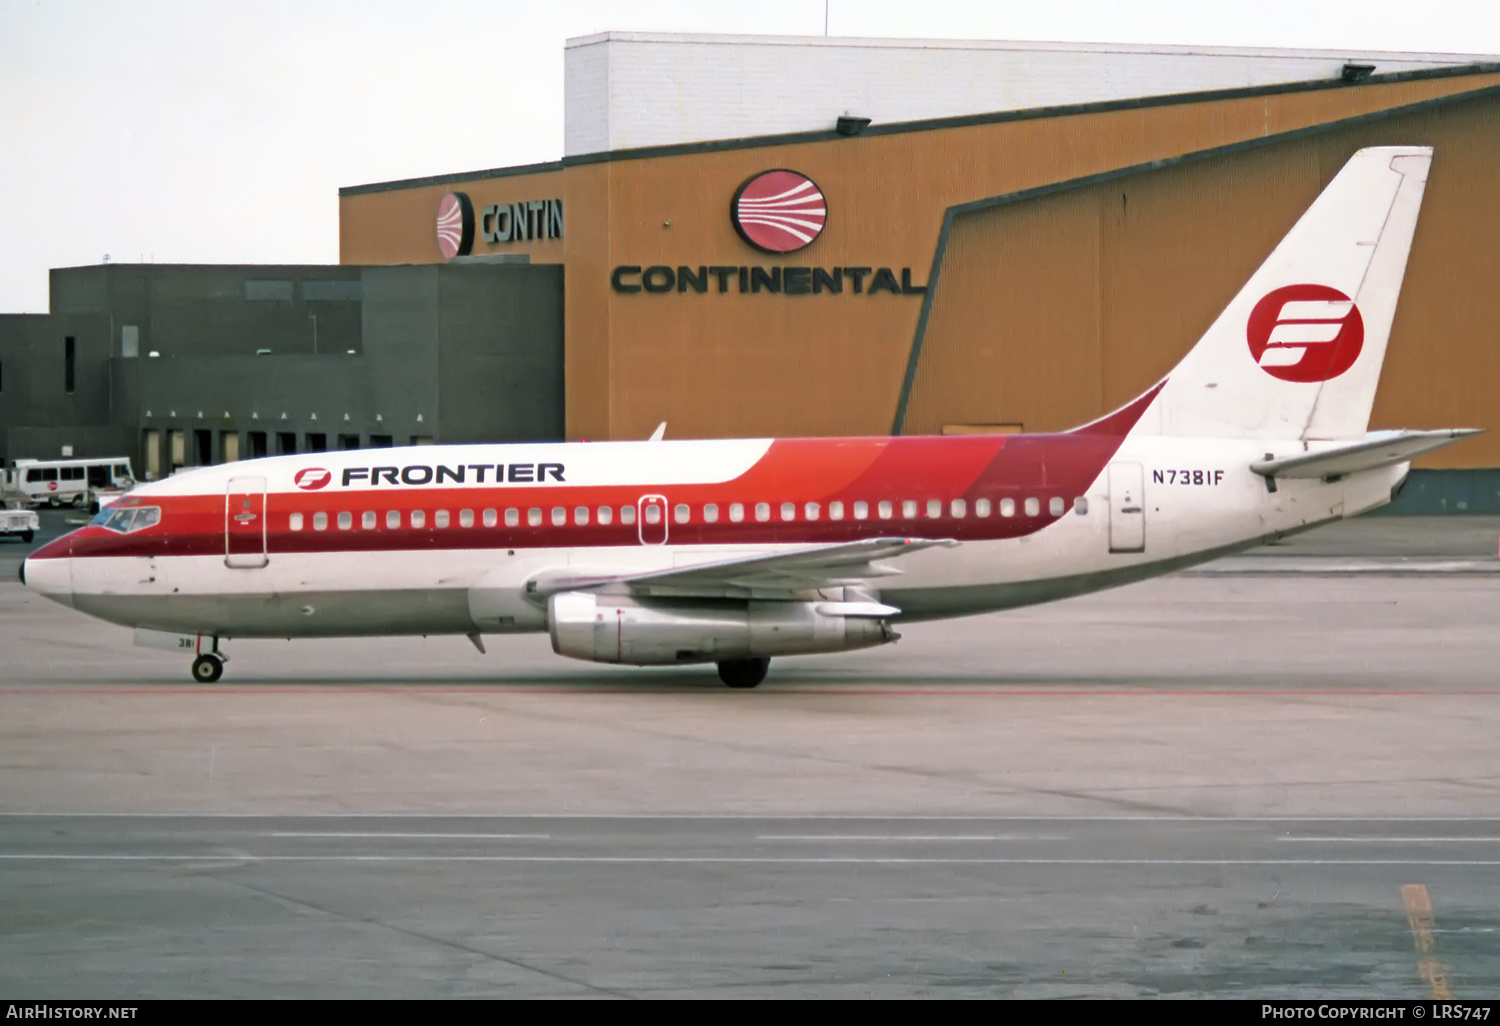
717,365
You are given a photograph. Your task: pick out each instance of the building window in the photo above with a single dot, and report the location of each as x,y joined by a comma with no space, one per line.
286,443
736,511
316,442
379,442
466,518
1033,507
203,442
320,521
348,441
788,511
257,444
981,507
491,518
70,364
295,521
367,520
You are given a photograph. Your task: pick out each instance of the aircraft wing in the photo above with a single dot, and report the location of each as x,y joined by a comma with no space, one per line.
807,569
1377,449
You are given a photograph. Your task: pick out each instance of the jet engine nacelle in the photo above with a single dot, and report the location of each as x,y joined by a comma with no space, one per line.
617,629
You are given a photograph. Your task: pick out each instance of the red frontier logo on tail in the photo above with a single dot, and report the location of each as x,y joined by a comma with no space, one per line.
311,479
1305,333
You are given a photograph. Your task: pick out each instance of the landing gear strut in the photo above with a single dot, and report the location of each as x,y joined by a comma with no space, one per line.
743,673
208,668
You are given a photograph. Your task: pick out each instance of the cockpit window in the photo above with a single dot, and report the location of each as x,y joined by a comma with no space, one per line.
130,520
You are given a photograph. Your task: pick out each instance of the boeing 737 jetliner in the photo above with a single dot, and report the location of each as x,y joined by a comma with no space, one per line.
732,552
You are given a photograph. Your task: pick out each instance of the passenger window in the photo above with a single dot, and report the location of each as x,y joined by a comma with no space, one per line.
393,520
789,511
367,520
861,510
762,511
711,514
934,508
559,516
534,517
320,521
1055,506
627,515
512,518
835,511
958,508
346,520
1007,507
581,516
884,510
653,514
466,518
295,521
491,518
909,509
981,507
418,519
606,515
440,519
812,510
680,513
1081,506
736,511
1033,507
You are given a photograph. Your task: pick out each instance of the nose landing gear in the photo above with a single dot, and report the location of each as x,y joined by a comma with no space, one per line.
208,668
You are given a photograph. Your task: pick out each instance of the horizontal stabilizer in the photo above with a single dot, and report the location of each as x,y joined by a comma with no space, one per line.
1377,449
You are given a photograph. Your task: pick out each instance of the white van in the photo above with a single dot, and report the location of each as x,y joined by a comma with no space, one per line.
70,482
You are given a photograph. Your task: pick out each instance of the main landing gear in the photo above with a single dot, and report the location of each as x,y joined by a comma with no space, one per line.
743,673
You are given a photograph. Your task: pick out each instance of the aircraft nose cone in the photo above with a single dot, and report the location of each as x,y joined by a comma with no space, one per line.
48,571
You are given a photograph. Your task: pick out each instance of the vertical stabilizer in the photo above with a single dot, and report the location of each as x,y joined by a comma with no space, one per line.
1297,354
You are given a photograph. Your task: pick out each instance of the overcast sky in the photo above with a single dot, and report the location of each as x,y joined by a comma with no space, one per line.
219,131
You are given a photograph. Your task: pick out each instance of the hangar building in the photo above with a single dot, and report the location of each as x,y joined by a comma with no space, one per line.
815,236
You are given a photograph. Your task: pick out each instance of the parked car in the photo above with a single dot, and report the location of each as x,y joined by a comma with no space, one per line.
17,519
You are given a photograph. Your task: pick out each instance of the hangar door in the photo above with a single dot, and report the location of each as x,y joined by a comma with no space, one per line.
1127,507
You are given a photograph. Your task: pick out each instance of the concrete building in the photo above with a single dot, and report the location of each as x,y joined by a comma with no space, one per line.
181,366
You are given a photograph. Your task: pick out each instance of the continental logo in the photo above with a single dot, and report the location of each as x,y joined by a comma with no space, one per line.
418,474
788,281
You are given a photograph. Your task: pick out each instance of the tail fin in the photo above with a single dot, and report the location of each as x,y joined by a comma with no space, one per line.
1297,354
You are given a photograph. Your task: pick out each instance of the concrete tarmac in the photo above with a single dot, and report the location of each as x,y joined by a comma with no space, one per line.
1202,785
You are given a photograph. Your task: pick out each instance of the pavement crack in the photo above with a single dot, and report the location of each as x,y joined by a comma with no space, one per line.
419,935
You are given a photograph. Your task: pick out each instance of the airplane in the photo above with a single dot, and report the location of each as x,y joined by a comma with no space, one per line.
733,552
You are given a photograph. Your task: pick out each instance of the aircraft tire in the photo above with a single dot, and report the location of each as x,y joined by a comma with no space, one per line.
743,673
207,669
